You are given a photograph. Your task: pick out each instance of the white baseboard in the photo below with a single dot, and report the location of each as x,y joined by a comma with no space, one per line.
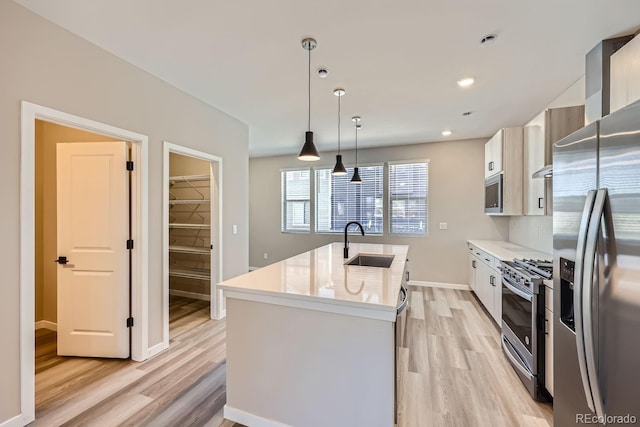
154,350
45,324
440,285
16,421
247,419
192,295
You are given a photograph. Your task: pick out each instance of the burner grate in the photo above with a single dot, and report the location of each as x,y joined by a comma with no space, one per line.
543,268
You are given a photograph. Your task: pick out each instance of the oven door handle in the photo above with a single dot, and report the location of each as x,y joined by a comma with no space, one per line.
403,303
516,291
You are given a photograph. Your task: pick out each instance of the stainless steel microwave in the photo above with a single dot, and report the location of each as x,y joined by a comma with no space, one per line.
493,194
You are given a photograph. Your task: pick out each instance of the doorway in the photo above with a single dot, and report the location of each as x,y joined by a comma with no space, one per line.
192,239
32,116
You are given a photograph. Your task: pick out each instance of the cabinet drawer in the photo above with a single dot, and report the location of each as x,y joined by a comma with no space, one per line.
486,258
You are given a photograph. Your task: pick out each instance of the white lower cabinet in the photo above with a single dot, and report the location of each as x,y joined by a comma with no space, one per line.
485,281
473,270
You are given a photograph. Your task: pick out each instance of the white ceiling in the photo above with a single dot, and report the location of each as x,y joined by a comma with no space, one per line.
398,60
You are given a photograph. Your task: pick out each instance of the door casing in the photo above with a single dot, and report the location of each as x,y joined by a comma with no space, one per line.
140,219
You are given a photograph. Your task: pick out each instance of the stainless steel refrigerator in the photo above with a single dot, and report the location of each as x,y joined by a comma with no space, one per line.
596,244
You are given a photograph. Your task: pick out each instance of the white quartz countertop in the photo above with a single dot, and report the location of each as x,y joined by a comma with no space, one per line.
507,251
320,276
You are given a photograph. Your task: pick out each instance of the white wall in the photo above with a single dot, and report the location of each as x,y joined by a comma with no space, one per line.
536,232
456,196
47,65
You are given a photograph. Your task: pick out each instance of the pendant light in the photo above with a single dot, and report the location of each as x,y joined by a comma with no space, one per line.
309,153
355,179
339,168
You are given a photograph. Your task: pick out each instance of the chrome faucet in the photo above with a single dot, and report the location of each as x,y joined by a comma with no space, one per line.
346,242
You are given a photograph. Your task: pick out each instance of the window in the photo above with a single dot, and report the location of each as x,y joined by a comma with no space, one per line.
296,204
408,188
338,201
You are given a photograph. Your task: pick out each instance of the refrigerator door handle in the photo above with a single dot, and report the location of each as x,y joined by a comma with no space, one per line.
577,296
599,208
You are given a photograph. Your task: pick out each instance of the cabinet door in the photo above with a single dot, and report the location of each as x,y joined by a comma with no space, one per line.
496,293
484,286
493,155
473,268
548,342
534,144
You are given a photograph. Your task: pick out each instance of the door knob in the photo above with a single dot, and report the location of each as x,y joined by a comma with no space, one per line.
62,260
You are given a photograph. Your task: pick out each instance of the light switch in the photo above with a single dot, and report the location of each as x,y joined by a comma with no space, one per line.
443,226
235,229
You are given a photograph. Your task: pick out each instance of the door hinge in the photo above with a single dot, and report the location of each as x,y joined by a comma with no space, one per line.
129,165
130,322
130,244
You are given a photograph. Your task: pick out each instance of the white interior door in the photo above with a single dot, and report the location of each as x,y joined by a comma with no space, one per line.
93,229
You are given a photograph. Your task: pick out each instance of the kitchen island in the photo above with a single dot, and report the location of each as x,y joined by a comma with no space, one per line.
310,340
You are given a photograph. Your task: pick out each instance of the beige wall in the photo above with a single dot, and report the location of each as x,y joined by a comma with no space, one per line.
456,196
47,136
536,232
46,65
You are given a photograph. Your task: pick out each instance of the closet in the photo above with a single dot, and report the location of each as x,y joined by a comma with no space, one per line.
190,245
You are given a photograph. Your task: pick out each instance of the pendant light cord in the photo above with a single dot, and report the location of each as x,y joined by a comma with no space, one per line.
339,96
309,88
356,144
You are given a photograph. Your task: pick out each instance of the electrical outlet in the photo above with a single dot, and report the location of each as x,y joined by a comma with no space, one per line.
443,226
266,255
235,229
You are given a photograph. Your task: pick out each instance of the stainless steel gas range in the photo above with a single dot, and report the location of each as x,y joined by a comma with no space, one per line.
523,320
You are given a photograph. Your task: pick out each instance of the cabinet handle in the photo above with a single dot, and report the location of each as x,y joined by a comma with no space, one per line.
492,280
473,263
546,326
487,259
490,166
540,204
407,275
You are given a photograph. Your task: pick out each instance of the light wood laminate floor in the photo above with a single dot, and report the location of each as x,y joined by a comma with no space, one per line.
453,373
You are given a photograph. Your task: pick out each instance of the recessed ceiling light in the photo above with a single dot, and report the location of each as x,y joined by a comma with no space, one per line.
488,39
467,81
467,113
446,132
322,72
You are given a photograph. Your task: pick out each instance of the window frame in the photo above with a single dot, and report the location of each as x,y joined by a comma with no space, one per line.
389,200
360,166
283,201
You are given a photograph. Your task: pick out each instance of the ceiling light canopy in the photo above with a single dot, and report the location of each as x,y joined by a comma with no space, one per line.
466,82
339,168
309,153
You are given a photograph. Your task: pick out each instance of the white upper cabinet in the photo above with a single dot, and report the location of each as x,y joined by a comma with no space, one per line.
540,134
493,155
503,155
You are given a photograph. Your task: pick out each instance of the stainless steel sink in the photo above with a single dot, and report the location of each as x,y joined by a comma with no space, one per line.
372,260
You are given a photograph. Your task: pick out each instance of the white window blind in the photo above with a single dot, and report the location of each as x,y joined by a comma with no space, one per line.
296,201
338,201
408,198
